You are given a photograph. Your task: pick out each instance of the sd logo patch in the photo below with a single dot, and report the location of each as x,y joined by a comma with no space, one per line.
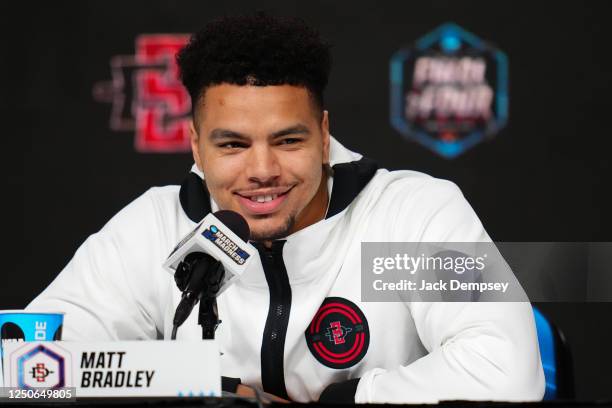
338,336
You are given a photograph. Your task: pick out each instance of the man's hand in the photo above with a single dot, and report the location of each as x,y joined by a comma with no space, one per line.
249,392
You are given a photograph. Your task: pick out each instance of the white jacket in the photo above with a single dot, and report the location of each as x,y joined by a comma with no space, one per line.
115,288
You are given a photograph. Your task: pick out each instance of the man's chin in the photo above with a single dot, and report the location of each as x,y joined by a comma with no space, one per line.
269,232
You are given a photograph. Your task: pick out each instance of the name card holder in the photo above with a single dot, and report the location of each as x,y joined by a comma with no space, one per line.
115,369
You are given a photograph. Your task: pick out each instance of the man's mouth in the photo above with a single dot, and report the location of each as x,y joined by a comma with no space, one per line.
265,201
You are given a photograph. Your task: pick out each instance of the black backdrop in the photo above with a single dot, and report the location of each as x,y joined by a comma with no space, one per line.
545,177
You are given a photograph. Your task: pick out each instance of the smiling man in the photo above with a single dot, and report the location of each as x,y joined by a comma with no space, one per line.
263,151
294,325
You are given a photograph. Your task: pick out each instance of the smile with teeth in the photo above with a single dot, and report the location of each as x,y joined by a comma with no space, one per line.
264,198
261,204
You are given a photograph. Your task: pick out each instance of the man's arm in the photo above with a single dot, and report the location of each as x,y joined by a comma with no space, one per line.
477,351
108,291
485,351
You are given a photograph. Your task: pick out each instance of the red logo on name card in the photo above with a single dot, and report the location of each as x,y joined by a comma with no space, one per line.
40,372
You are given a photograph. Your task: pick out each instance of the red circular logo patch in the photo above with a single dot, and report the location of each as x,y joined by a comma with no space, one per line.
338,336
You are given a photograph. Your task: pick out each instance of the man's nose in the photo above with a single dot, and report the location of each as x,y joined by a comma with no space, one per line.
262,165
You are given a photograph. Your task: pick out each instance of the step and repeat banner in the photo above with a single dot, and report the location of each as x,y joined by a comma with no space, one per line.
509,100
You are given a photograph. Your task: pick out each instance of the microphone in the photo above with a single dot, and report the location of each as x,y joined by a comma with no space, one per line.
198,276
202,258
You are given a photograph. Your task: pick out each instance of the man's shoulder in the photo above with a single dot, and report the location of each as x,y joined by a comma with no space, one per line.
154,204
424,208
148,226
405,185
169,192
416,201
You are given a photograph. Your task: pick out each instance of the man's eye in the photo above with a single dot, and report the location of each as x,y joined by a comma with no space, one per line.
232,145
290,140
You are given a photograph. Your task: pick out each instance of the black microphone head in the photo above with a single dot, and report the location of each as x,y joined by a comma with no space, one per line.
235,222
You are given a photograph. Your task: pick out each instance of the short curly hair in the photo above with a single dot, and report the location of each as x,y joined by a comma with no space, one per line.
256,50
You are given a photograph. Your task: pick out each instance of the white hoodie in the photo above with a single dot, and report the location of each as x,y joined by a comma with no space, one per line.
294,323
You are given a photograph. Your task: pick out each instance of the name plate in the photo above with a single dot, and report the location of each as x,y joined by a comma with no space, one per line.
115,369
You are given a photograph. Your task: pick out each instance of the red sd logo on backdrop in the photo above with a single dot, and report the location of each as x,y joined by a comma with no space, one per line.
146,95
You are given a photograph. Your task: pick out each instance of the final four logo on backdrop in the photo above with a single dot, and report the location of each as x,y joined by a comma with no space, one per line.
146,95
449,91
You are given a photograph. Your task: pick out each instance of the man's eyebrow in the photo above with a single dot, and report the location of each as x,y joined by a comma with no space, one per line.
217,134
293,130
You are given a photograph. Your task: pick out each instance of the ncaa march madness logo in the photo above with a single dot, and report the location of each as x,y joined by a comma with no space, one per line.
449,91
146,95
225,244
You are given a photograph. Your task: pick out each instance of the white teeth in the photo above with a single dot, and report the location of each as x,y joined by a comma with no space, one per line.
264,198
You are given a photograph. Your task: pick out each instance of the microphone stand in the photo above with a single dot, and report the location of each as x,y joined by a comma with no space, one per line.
199,282
208,316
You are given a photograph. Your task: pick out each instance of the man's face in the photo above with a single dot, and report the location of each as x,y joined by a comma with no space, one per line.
262,151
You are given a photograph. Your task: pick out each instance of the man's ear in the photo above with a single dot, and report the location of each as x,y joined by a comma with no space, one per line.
326,136
194,139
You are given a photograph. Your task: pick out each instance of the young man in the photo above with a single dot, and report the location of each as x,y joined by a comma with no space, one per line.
294,325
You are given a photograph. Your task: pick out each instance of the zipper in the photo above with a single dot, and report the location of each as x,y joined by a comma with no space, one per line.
277,321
